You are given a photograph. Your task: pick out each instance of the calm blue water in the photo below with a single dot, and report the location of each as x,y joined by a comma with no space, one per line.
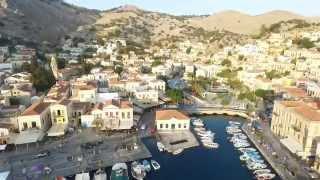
199,163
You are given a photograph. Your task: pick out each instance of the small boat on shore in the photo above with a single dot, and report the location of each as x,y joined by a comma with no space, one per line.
119,172
160,146
100,175
137,170
146,165
155,165
82,176
178,151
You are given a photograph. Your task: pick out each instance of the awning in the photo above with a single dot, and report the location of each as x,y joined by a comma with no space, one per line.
57,130
3,147
29,136
4,175
293,146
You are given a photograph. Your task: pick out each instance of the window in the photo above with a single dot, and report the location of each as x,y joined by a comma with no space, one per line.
59,113
25,125
123,115
185,126
111,113
179,126
117,113
167,126
128,115
2,134
34,124
173,126
161,126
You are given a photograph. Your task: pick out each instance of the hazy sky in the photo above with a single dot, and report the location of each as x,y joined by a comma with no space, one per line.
188,7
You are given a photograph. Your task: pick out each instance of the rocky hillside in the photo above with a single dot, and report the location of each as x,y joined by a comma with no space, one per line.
145,27
42,20
243,23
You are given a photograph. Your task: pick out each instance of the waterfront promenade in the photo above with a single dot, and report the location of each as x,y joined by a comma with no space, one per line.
287,167
73,157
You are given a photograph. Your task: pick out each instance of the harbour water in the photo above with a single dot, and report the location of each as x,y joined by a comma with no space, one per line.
201,163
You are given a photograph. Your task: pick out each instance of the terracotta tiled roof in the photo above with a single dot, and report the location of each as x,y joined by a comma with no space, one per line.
296,92
308,112
36,109
311,110
168,114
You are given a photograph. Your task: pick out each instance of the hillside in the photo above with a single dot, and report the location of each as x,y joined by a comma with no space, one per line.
42,20
238,22
145,27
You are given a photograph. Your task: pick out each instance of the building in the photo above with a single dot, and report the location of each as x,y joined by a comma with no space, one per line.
113,114
297,123
60,114
37,116
171,120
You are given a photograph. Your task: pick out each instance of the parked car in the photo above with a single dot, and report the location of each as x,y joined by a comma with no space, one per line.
42,154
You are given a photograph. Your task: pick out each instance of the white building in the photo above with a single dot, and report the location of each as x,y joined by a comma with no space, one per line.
171,120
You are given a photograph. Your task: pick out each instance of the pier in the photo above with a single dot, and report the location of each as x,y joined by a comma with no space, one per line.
186,140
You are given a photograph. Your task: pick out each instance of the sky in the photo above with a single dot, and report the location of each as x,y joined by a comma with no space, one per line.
205,7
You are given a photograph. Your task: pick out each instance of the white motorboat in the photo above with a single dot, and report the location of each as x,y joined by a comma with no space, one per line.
262,171
197,129
155,165
82,176
211,145
206,134
100,175
234,123
256,166
137,171
160,146
198,123
178,151
265,176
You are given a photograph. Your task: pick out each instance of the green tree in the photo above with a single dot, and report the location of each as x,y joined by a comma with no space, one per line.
118,69
188,51
175,95
226,62
304,43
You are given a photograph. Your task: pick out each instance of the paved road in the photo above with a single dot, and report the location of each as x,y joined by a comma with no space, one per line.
289,167
71,158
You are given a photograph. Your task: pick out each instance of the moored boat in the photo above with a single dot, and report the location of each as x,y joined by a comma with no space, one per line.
178,151
211,145
146,165
100,175
119,172
137,170
262,171
160,146
155,165
266,176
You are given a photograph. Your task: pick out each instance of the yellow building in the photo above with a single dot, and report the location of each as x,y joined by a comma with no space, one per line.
297,123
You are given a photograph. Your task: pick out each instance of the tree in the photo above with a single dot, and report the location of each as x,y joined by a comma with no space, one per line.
175,95
156,62
188,51
61,63
226,62
304,43
118,69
